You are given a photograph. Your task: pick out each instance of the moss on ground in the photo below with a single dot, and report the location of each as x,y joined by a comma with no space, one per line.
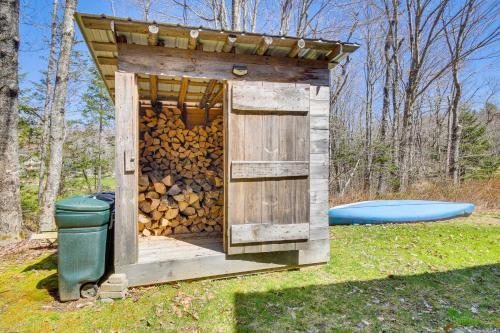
407,277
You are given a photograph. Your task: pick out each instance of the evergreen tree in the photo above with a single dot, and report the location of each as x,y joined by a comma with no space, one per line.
98,111
476,160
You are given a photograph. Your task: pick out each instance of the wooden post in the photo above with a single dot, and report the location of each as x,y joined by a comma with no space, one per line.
153,88
206,116
126,169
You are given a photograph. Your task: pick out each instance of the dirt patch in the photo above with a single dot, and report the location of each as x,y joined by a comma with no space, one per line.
25,250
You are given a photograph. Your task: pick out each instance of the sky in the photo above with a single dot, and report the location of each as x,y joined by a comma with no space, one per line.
34,31
35,34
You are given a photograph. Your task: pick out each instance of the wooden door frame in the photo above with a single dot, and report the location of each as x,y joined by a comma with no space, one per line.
126,169
226,106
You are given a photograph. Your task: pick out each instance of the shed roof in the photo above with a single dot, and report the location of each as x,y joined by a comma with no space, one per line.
101,34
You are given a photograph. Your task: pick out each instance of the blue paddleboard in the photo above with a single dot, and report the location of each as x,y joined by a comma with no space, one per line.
397,211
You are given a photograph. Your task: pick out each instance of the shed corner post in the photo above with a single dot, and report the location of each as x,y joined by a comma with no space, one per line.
126,169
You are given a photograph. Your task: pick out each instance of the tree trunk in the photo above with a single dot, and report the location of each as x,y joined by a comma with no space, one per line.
46,107
57,121
455,126
10,207
236,15
448,140
99,150
84,173
286,10
253,22
385,99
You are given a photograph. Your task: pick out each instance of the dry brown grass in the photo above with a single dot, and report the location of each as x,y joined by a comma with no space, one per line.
485,194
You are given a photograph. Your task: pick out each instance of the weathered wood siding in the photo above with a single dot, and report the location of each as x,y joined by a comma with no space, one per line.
275,194
268,169
319,245
126,168
195,63
268,232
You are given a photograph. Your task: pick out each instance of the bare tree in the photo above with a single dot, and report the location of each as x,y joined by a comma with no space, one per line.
285,12
46,105
370,71
57,121
423,31
461,40
236,15
145,6
388,58
112,4
10,207
253,20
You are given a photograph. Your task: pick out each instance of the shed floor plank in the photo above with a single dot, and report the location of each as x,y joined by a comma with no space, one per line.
161,248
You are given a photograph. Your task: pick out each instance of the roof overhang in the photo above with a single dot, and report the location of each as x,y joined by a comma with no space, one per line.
104,35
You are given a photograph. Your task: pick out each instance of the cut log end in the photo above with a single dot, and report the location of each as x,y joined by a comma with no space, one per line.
181,180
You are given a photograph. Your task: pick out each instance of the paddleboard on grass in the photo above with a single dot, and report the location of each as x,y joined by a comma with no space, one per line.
397,211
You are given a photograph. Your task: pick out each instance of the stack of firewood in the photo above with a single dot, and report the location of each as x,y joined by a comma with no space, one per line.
181,179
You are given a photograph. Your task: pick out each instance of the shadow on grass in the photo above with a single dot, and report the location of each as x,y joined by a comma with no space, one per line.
50,282
48,263
467,297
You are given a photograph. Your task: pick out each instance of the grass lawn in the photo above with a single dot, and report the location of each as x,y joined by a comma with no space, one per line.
394,278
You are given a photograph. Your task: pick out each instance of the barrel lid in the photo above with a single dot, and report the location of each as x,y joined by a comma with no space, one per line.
83,204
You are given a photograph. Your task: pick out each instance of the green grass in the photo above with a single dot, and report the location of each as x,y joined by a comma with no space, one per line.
392,278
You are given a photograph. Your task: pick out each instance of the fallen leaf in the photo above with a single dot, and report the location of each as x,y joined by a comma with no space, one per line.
448,327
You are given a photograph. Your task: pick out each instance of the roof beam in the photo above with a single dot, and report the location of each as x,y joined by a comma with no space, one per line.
153,34
107,61
336,54
164,81
183,90
228,45
102,46
216,98
153,79
153,87
299,45
193,39
196,63
145,92
264,45
113,31
208,93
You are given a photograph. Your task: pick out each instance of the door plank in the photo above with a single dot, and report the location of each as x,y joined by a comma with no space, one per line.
253,189
268,232
284,98
268,169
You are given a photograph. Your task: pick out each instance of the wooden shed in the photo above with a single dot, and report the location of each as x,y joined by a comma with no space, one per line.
221,147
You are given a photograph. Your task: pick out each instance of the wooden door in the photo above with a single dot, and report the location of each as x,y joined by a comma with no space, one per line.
266,167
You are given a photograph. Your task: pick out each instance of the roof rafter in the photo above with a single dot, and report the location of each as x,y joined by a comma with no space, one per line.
208,93
264,45
299,45
230,41
216,98
183,90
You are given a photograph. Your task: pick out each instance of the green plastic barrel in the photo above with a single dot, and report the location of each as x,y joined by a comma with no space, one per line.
82,231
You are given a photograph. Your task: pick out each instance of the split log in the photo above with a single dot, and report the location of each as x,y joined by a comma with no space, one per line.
181,178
